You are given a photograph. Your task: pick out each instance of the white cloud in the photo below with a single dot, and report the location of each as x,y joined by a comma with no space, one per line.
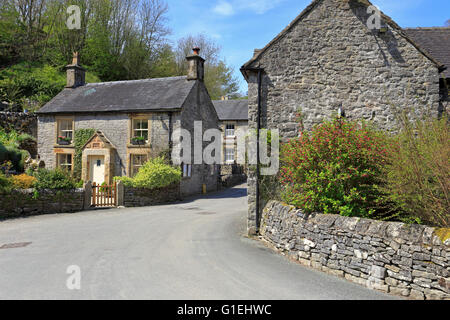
224,8
229,8
259,6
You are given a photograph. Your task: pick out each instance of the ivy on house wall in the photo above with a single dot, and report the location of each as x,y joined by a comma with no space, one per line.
81,138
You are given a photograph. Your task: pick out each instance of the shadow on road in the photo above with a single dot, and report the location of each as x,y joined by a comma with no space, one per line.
231,193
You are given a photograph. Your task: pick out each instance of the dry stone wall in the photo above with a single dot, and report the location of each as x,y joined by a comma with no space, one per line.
406,260
139,197
19,121
24,203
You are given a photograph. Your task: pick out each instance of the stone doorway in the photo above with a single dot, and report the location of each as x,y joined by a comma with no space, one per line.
98,160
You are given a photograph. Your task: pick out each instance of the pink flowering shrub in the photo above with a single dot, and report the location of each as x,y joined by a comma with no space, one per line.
335,169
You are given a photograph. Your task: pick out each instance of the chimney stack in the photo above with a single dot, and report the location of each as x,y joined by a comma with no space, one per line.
196,66
76,74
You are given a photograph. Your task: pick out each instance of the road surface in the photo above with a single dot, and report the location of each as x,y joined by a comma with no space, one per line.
190,250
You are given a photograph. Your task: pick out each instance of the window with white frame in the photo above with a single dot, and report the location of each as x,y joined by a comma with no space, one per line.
65,130
187,170
65,162
229,130
140,129
229,154
137,161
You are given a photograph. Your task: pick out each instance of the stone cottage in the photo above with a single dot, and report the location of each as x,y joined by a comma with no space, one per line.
233,118
330,59
134,121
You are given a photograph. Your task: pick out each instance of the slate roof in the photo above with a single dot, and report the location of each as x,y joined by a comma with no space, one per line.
122,96
436,41
231,109
259,52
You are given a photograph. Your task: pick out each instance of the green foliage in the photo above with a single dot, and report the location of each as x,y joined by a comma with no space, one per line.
54,179
417,177
335,169
6,184
154,174
31,86
81,138
9,148
127,181
118,40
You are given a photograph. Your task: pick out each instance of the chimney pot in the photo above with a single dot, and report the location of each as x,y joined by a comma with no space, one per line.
196,51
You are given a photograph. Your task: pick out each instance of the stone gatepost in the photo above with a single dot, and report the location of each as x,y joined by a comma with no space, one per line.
120,189
87,195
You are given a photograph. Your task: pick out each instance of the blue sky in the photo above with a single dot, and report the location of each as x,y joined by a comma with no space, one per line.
240,26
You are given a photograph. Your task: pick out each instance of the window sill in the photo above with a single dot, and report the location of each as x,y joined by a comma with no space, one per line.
69,146
138,146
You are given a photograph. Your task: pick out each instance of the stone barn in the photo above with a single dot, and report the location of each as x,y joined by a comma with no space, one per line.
330,59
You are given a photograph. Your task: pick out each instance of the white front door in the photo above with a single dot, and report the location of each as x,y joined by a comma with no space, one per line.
97,169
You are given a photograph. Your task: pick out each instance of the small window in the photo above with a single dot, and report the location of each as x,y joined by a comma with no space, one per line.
65,131
229,155
65,162
140,129
229,130
137,161
187,170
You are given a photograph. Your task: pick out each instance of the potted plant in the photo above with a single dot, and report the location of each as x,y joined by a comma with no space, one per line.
138,141
64,140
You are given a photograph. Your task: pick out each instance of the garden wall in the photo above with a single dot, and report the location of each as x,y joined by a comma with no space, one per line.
21,203
407,260
137,197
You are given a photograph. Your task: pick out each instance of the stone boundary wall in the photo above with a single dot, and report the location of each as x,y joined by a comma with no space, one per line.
137,197
232,180
19,121
407,260
21,203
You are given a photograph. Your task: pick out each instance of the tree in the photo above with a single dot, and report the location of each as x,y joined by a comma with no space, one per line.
219,77
447,23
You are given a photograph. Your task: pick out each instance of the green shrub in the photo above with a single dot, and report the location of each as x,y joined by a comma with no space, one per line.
417,177
54,179
154,174
5,184
127,181
334,169
23,181
9,148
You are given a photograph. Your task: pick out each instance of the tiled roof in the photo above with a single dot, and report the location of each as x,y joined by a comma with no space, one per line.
231,109
122,96
436,41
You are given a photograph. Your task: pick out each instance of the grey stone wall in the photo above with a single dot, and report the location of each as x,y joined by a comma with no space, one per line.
137,197
199,107
330,59
444,96
407,260
19,121
22,203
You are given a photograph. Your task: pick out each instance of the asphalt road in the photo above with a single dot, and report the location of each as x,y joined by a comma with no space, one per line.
190,250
